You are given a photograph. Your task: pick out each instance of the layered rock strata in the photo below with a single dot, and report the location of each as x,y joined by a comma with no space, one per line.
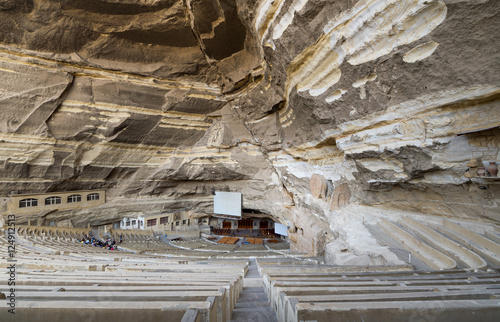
161,102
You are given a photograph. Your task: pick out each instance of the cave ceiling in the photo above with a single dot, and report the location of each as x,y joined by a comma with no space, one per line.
161,101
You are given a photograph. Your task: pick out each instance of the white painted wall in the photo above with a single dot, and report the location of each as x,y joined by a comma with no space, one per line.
135,223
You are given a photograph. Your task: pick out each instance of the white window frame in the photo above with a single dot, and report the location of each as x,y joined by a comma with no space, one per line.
28,202
53,200
74,198
93,196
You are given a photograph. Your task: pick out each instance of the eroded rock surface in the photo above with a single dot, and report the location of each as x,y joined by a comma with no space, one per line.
161,101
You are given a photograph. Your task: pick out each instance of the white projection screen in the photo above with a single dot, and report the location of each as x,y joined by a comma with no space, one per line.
227,203
280,229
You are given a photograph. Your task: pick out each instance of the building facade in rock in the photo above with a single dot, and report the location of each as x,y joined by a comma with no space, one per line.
24,204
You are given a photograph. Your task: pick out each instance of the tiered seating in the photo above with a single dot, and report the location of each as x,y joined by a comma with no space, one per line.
199,280
144,295
251,247
55,281
277,245
221,247
327,293
59,241
198,243
146,243
445,246
247,254
203,245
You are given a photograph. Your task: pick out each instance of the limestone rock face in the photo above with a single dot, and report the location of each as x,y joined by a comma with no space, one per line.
162,101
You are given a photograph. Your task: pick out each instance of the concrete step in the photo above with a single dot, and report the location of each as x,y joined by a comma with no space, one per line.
253,315
253,304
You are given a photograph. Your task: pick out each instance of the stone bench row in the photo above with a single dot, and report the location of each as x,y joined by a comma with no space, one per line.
41,294
247,254
185,253
338,296
331,276
477,243
446,245
56,246
278,246
89,253
414,310
63,263
152,247
252,247
221,247
105,311
51,232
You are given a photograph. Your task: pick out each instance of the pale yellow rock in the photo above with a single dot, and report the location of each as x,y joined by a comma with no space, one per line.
420,52
318,186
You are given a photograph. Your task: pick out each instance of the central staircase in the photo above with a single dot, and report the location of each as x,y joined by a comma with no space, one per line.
253,304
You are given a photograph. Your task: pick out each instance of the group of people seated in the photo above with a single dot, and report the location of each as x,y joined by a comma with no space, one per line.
109,244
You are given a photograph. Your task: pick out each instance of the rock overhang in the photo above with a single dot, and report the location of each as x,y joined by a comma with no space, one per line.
161,100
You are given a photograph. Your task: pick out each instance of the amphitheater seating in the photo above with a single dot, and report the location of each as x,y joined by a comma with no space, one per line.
41,294
277,245
318,293
60,279
446,245
251,247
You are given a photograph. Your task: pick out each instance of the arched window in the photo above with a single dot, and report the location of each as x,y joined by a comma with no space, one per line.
74,198
52,201
29,202
92,196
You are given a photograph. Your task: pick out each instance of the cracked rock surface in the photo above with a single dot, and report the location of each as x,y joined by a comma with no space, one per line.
161,101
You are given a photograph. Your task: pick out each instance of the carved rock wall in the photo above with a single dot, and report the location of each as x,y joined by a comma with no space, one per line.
160,101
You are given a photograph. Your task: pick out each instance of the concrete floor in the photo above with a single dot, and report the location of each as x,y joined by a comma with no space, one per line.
253,304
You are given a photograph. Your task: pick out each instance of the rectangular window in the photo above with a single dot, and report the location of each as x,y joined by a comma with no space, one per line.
133,222
177,223
128,223
184,222
163,220
151,222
